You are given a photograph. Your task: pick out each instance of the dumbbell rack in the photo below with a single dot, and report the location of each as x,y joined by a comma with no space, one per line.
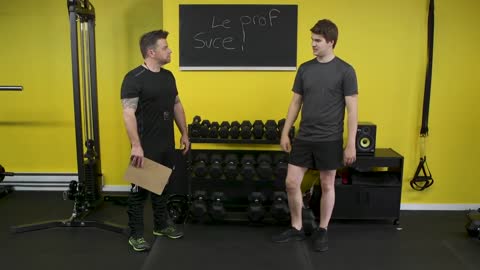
237,189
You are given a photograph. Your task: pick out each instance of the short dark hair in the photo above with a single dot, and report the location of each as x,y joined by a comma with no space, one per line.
327,29
149,40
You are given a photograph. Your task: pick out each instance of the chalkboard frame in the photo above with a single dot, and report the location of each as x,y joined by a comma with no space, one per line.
275,25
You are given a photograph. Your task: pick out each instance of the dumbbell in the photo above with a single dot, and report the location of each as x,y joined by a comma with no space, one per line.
257,130
217,209
234,130
231,166
200,165
4,190
280,210
246,130
281,123
204,128
71,192
215,169
223,130
195,127
271,132
281,165
248,166
256,210
213,131
3,173
198,208
264,166
177,208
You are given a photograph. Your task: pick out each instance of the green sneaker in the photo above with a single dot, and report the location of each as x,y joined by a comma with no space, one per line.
138,244
170,231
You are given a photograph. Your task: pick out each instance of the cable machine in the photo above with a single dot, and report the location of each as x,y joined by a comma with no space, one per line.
86,193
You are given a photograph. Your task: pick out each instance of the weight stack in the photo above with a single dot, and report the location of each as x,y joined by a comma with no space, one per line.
92,181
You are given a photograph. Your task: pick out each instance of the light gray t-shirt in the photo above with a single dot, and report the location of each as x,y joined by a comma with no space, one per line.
323,87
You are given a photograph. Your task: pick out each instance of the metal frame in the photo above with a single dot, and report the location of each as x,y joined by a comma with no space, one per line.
85,13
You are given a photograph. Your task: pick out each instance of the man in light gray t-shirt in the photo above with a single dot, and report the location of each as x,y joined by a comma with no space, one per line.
322,89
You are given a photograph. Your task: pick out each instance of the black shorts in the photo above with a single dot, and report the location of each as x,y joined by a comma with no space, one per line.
317,155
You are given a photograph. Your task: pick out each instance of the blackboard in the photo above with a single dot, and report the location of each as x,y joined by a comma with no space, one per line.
238,37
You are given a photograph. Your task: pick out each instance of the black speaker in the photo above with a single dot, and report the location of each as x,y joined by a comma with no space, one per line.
365,141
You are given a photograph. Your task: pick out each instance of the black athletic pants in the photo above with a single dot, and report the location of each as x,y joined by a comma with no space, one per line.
136,203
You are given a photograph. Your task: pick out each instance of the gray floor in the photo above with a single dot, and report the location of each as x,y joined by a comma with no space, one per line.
424,240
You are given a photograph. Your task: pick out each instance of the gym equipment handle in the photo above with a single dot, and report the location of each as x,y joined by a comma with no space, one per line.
11,88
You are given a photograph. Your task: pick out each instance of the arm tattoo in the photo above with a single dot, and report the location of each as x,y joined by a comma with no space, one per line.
131,103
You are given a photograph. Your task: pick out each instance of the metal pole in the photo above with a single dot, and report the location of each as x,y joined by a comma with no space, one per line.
76,93
94,96
11,88
84,81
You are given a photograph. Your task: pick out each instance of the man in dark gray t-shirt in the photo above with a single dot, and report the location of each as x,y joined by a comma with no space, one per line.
322,89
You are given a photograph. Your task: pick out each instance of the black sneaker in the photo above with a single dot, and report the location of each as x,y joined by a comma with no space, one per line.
138,244
320,239
289,235
170,231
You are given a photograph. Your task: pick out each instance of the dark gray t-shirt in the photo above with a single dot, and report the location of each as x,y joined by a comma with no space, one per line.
323,87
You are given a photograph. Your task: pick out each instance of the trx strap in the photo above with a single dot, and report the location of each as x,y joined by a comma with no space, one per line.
422,182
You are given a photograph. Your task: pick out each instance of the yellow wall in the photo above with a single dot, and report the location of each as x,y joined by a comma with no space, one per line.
384,40
37,131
